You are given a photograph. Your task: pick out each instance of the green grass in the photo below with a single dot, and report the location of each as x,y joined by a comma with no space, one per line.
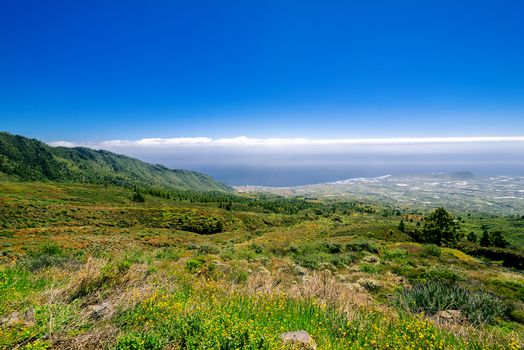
330,268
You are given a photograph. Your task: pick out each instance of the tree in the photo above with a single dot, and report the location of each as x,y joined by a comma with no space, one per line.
472,237
138,197
498,240
485,241
440,228
401,226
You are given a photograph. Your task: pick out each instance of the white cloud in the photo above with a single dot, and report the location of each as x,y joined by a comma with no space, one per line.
280,142
288,161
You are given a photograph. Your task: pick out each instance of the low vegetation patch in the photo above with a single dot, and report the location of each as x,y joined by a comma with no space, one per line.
432,297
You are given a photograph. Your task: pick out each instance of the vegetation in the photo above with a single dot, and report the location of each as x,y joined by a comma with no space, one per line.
88,266
104,251
440,228
30,159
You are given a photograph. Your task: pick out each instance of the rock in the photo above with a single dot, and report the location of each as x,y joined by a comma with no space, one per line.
262,270
27,318
100,310
300,271
373,259
355,287
450,316
299,340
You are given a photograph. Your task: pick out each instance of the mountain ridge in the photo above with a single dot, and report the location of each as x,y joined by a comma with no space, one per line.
33,160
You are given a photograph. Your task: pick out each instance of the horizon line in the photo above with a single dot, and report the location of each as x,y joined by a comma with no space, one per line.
269,142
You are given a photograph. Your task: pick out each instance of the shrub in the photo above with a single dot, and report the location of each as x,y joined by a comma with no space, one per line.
207,248
193,264
204,225
395,254
138,197
333,248
370,284
45,256
369,267
139,341
432,297
361,246
431,250
94,276
310,260
238,276
168,253
442,274
509,257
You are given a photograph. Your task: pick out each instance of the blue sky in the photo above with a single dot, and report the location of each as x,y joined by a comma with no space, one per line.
209,86
99,70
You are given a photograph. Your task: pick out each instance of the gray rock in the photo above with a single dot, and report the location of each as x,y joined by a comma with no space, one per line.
450,316
26,318
100,310
372,259
299,340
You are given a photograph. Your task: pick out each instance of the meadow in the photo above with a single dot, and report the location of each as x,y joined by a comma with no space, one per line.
92,267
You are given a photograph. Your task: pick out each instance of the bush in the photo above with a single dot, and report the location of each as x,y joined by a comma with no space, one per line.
432,297
138,197
370,284
431,250
395,254
333,248
168,253
509,257
207,248
193,264
361,246
310,260
46,256
442,274
204,225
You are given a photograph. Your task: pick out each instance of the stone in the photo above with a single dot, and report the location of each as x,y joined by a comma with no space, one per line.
27,318
372,259
100,310
450,316
299,340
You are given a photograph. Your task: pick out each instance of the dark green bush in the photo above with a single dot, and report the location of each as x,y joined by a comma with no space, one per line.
431,250
362,246
203,225
431,297
509,257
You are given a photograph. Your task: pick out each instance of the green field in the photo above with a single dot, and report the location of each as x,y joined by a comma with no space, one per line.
83,266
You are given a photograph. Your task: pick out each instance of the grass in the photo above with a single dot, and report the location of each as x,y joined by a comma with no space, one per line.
330,269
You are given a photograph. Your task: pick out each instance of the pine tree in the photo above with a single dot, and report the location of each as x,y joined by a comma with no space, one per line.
440,228
498,240
472,237
485,241
402,226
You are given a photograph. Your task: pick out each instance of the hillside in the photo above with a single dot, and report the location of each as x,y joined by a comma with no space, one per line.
30,159
83,266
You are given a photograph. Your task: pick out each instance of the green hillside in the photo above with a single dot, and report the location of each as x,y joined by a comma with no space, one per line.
30,159
83,266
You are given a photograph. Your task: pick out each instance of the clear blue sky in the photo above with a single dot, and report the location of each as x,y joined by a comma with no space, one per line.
96,70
